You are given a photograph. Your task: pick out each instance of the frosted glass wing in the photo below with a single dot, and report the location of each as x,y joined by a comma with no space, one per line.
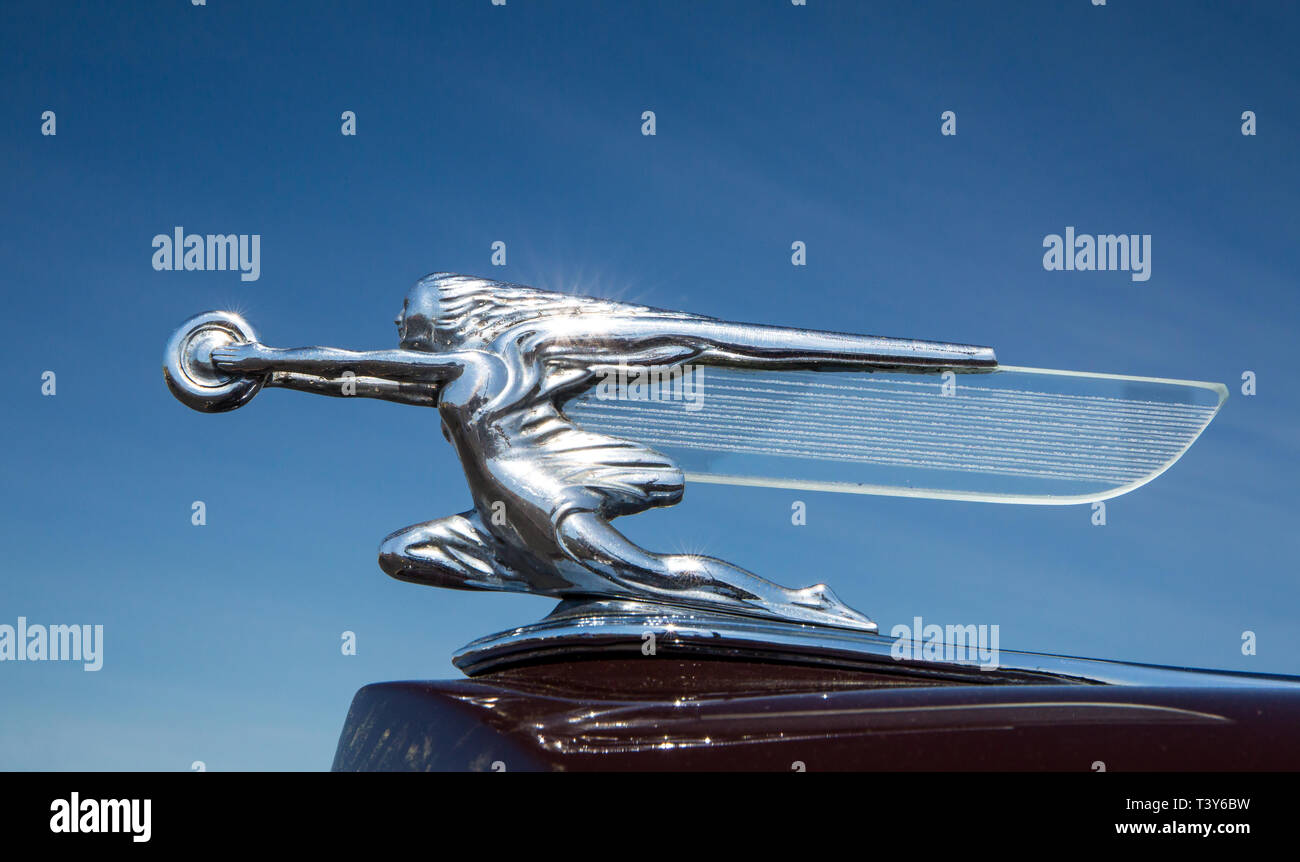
1009,434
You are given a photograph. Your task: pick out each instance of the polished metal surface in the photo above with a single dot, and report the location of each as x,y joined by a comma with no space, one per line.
188,367
499,361
612,629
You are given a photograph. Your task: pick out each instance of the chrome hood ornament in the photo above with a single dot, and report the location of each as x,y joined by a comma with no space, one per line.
568,412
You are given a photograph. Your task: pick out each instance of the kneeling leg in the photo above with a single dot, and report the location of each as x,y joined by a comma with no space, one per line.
453,552
589,540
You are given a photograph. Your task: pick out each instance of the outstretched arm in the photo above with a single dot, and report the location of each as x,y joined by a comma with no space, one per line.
400,391
721,343
328,362
737,344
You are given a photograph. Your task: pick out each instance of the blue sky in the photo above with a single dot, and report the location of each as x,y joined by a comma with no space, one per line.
523,124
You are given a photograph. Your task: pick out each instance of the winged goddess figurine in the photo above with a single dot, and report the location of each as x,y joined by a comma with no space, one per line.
517,375
499,361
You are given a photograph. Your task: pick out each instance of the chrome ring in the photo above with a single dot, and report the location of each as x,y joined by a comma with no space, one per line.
188,368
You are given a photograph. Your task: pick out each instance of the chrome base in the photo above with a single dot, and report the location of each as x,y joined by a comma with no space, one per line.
578,630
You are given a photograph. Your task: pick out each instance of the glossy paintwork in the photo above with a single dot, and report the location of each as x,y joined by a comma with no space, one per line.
670,714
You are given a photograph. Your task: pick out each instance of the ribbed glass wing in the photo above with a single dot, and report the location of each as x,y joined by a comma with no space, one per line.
1010,434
